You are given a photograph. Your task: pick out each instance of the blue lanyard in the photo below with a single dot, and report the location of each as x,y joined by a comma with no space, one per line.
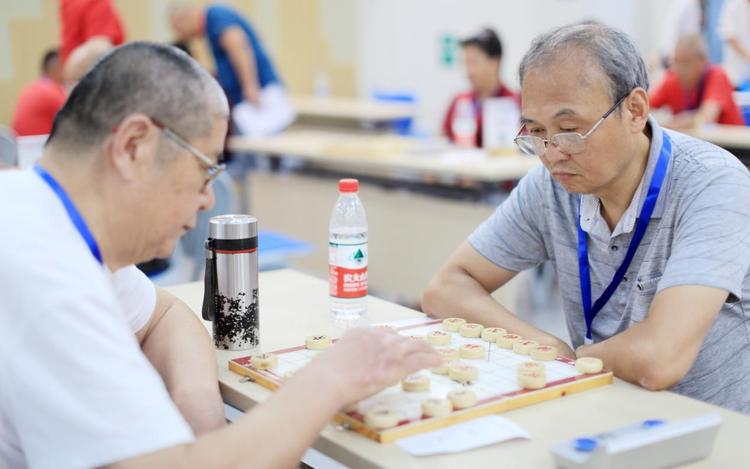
73,213
584,275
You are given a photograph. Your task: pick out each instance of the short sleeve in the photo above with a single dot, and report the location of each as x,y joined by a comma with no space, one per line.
218,19
137,295
101,19
78,389
711,245
448,119
718,88
658,97
512,237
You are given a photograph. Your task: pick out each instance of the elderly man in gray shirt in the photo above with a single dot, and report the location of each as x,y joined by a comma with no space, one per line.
648,229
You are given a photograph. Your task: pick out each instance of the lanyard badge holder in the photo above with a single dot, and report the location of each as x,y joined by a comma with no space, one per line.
654,188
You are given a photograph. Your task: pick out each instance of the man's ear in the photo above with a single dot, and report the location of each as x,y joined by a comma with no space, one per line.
638,108
133,146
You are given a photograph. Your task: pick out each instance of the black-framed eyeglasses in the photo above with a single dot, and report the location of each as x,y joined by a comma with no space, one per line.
213,170
569,143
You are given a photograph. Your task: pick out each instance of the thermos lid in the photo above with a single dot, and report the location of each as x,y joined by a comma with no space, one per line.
235,226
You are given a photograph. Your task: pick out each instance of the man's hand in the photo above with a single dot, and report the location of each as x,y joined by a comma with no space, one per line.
251,93
564,350
369,359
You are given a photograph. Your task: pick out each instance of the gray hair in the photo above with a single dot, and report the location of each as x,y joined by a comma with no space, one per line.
157,80
612,50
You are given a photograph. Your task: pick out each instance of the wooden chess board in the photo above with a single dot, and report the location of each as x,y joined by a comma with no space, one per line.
496,388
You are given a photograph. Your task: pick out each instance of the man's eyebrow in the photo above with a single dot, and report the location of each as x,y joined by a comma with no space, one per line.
564,112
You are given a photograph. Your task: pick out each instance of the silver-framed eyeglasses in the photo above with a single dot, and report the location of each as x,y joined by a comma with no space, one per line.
569,143
213,170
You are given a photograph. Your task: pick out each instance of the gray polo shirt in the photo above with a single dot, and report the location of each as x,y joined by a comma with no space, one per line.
699,234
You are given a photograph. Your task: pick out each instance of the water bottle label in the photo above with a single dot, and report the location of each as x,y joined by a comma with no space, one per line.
347,270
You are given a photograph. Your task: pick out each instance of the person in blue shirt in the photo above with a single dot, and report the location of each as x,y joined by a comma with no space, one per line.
243,67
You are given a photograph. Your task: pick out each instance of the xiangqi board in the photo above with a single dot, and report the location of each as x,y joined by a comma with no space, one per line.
479,378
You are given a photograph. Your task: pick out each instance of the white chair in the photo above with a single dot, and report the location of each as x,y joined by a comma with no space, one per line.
8,148
30,149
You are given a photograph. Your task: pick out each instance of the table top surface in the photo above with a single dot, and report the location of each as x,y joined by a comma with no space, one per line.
294,305
726,136
354,109
390,155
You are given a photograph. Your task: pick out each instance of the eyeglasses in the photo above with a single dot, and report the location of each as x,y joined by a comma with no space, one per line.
567,142
212,171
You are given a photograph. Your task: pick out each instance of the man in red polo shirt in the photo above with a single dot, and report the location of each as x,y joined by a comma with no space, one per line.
463,120
696,91
39,101
88,29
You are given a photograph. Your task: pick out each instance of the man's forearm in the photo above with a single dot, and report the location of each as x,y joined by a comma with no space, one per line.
181,350
241,56
740,49
635,357
253,439
276,433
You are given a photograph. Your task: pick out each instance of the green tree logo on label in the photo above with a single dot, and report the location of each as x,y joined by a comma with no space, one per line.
359,256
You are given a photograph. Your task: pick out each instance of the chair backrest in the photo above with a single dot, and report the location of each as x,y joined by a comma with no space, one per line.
30,149
8,148
399,126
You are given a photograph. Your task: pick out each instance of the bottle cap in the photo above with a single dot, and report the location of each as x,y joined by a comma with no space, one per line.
585,445
348,185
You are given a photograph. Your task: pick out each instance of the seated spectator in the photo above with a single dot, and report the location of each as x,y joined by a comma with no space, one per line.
39,101
695,91
481,55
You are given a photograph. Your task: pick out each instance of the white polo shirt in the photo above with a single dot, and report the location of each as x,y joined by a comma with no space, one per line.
75,388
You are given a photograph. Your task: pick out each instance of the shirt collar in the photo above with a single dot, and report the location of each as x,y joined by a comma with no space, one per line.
591,217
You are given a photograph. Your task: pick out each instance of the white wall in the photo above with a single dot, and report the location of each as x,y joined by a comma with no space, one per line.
398,40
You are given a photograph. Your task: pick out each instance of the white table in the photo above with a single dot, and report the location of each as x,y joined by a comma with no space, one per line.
293,305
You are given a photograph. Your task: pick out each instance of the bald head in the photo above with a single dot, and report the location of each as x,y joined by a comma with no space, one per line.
186,21
692,44
159,81
690,59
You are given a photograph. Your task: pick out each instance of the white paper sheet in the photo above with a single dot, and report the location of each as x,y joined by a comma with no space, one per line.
463,436
271,116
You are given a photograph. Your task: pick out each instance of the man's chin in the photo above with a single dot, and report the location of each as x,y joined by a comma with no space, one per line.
163,252
572,187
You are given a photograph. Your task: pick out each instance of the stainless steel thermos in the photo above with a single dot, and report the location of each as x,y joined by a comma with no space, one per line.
230,297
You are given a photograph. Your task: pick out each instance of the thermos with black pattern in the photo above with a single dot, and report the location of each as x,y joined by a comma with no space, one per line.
230,297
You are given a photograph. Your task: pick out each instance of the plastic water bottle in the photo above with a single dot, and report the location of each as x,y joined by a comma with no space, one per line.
347,255
464,125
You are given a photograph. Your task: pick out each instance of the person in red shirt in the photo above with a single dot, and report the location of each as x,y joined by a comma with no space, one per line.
695,91
39,101
88,29
481,55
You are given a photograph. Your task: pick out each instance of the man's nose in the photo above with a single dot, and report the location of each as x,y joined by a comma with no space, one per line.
208,199
553,154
